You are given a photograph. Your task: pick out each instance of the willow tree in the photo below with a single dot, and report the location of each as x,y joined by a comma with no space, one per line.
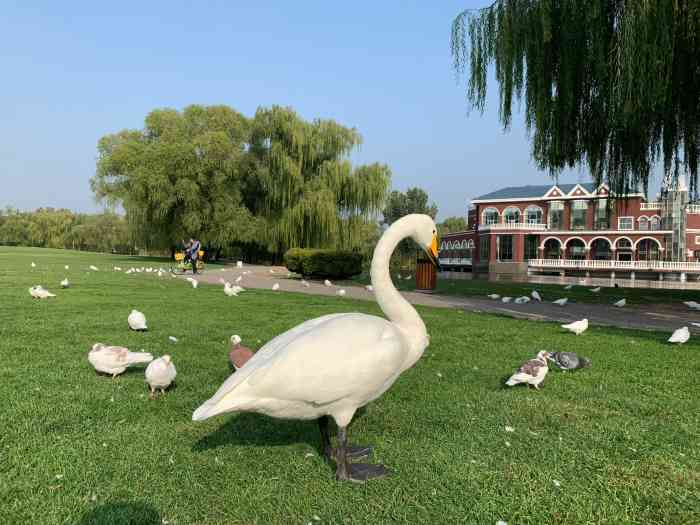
614,84
305,187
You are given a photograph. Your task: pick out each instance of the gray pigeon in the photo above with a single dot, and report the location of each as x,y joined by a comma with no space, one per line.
569,360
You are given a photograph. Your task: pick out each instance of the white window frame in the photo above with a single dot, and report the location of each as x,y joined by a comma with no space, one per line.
619,224
697,239
483,215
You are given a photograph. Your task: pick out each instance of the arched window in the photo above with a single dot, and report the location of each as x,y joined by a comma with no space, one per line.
643,223
533,215
511,215
655,223
491,216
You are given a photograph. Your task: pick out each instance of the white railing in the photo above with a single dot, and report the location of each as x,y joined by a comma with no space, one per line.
650,206
693,209
451,261
615,265
513,226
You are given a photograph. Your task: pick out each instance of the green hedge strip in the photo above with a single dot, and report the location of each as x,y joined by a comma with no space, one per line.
323,263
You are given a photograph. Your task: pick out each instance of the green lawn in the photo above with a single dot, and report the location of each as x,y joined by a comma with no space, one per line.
550,292
621,439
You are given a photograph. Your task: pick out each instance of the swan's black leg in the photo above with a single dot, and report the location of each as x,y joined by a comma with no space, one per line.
353,452
357,472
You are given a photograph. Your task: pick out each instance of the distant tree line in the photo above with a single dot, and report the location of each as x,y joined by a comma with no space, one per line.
61,228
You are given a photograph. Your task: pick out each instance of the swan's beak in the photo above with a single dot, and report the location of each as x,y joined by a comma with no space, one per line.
432,252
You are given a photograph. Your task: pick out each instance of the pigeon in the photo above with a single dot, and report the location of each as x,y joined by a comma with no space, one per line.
407,278
117,269
194,282
160,273
38,292
272,271
94,268
369,288
506,299
172,339
65,283
494,296
568,287
149,270
522,300
160,373
577,327
569,360
696,324
137,321
239,279
536,296
139,270
531,372
66,267
275,287
33,265
680,336
229,291
692,304
305,284
561,302
239,354
327,283
620,303
114,360
340,292
596,289
239,264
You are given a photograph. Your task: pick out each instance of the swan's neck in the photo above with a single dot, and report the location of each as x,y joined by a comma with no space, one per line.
395,307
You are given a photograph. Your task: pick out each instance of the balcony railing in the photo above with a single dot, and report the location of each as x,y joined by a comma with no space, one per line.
646,206
576,264
455,261
693,209
532,226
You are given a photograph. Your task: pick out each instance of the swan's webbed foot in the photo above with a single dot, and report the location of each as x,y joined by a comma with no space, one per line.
351,452
362,472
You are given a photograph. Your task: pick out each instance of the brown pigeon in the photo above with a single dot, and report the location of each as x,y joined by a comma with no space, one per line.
239,354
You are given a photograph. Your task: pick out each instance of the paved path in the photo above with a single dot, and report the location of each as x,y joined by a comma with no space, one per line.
660,317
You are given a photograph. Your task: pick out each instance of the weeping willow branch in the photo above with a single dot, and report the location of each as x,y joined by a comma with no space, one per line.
613,84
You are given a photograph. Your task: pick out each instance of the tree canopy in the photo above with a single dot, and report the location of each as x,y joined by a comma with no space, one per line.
208,171
613,84
452,224
398,204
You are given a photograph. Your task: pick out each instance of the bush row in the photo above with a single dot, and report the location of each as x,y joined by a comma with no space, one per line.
323,263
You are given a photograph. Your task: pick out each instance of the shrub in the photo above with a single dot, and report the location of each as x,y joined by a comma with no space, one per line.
323,263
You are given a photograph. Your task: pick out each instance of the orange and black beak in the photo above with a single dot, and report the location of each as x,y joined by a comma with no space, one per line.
432,252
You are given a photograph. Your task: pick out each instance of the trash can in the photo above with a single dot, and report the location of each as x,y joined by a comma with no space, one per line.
426,276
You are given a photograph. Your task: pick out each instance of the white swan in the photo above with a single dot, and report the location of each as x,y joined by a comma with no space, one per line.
332,365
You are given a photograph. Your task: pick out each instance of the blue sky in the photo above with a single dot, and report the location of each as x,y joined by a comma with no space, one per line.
75,71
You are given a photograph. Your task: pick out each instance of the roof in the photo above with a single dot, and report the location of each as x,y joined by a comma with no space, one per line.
529,192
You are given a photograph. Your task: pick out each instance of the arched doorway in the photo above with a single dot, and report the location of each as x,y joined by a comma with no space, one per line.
575,249
552,248
601,249
625,250
647,250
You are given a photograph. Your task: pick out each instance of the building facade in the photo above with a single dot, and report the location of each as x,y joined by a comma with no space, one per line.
576,228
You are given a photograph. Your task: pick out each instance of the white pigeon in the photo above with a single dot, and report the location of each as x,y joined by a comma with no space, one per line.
33,265
117,269
160,373
239,279
38,292
522,300
596,289
229,291
114,360
577,327
340,292
137,321
173,276
66,267
369,288
149,270
65,283
680,336
407,278
94,268
620,303
275,287
506,299
272,271
239,264
692,304
568,287
561,302
305,284
536,296
194,282
327,283
160,273
531,372
494,296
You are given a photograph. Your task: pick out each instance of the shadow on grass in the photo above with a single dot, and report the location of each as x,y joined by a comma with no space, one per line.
122,513
254,429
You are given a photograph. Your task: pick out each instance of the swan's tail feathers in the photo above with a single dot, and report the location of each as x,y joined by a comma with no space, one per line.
515,379
139,357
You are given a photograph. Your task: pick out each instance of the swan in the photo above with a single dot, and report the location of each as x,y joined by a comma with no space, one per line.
337,363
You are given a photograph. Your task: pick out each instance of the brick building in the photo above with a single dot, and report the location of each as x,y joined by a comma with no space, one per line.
573,228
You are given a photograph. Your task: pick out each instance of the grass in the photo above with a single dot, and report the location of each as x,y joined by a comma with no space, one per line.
620,438
550,292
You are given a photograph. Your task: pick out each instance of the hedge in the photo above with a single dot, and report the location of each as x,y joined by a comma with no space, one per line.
323,263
